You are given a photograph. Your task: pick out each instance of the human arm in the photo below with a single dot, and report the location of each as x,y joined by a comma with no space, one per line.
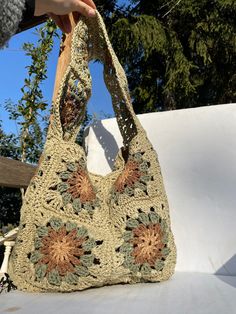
15,12
10,16
58,10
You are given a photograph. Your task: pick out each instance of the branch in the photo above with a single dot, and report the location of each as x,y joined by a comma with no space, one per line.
171,9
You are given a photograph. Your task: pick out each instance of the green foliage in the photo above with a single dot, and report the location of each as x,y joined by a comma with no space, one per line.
29,110
132,35
10,203
177,54
6,228
10,200
8,144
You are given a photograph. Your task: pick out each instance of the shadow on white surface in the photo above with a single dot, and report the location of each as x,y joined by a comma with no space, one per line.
107,142
230,280
185,293
230,268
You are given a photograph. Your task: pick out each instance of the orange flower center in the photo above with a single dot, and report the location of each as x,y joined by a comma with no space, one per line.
129,176
80,186
148,243
60,250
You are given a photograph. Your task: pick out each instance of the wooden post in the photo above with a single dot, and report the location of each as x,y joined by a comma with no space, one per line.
64,56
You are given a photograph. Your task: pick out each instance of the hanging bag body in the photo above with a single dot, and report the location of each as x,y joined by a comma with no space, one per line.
79,229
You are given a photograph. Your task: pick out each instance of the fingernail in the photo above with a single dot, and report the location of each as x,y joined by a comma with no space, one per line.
91,13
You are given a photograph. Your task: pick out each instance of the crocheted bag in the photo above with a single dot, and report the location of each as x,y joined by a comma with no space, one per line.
79,229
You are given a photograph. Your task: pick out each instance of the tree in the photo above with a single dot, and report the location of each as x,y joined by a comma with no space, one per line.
177,54
10,200
29,112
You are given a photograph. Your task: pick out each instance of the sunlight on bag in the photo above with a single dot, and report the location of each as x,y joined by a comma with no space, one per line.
79,229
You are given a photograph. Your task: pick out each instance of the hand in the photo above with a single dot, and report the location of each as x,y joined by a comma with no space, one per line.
58,10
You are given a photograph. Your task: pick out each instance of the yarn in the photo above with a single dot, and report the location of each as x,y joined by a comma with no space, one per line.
78,229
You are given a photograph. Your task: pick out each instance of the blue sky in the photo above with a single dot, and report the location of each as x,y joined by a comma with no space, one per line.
13,72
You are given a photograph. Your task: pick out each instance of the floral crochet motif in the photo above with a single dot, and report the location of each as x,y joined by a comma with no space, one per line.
134,175
62,252
76,187
69,110
80,186
72,109
145,243
129,176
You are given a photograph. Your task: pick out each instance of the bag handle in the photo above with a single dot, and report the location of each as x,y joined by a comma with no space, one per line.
90,41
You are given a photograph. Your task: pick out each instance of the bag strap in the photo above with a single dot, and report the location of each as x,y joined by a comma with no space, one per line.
90,41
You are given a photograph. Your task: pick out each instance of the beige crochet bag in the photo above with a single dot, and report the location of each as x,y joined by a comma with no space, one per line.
79,229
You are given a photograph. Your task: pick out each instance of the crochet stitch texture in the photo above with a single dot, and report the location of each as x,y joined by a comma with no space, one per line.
79,229
10,17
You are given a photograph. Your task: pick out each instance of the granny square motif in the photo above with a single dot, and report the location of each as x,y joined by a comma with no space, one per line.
79,229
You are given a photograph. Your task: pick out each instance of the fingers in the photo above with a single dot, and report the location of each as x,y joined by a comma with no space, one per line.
63,7
90,3
61,18
84,8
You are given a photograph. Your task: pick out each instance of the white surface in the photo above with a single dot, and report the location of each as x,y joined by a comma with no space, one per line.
197,154
185,293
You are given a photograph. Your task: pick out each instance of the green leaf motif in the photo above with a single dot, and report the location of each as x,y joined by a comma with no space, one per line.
66,198
62,187
89,244
82,271
154,217
71,166
87,260
40,271
71,279
56,223
70,226
54,278
146,269
77,205
82,232
42,231
144,218
64,175
132,223
127,235
35,257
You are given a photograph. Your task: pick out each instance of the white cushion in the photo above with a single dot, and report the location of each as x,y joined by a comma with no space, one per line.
185,293
197,154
